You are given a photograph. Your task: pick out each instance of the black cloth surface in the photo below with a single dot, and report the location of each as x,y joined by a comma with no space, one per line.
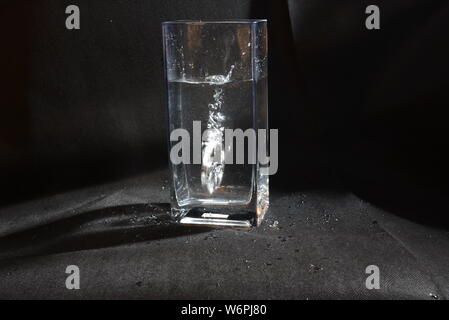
314,244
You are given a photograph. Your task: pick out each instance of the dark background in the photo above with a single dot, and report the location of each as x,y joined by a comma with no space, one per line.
356,109
352,105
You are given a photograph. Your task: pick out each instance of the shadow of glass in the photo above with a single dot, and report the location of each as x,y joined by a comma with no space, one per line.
102,228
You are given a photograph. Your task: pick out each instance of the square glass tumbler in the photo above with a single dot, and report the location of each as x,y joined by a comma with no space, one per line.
217,100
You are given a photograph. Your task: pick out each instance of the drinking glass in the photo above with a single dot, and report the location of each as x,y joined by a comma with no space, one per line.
217,100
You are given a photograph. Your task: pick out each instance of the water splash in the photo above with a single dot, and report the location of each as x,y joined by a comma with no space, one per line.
212,169
213,166
220,79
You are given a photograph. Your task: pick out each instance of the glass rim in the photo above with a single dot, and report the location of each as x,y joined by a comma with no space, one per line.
225,21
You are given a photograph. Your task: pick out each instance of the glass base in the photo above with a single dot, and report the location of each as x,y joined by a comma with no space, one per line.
217,217
229,215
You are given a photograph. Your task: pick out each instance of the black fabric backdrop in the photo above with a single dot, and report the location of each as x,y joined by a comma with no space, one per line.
357,110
